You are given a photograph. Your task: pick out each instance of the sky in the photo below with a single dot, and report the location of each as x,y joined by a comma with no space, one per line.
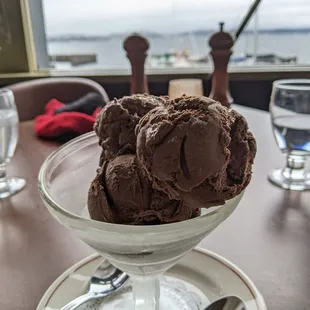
101,17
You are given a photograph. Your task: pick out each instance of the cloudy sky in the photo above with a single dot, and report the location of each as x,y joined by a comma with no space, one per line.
166,16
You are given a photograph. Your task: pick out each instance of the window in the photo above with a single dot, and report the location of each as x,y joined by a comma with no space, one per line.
89,34
277,35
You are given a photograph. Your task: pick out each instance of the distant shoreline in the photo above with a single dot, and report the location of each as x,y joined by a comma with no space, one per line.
70,37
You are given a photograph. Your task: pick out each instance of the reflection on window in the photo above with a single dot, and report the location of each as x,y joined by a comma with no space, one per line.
89,34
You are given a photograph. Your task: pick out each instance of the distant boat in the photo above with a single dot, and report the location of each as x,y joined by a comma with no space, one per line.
273,59
74,59
238,59
176,59
249,59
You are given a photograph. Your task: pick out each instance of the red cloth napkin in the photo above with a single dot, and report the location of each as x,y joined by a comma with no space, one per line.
50,125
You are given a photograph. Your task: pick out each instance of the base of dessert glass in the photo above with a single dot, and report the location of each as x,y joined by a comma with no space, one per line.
174,295
278,177
11,186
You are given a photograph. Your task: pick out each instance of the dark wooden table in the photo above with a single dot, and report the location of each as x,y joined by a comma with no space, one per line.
268,236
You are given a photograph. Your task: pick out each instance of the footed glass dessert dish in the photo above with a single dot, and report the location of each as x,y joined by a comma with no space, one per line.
143,252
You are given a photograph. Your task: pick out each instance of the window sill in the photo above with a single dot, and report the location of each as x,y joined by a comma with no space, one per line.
164,75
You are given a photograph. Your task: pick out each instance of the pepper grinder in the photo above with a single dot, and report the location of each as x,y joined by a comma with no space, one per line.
221,44
136,47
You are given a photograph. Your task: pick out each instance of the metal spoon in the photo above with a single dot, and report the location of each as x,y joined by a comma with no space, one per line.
227,303
106,279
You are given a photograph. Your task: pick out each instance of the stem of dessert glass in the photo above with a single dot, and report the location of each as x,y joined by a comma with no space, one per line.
295,168
146,292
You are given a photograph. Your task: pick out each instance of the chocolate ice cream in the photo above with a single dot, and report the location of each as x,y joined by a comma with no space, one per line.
196,150
115,125
164,160
122,194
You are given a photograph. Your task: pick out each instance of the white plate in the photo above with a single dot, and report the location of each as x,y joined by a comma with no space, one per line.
203,273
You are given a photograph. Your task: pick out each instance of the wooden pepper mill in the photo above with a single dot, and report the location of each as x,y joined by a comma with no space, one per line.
136,47
221,44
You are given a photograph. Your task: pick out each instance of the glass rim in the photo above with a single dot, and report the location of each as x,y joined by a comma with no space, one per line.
112,227
5,90
292,84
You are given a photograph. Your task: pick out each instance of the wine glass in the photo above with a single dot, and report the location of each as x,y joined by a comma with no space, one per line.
143,252
290,115
8,141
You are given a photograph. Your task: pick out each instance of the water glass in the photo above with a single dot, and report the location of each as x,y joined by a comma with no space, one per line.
290,115
8,141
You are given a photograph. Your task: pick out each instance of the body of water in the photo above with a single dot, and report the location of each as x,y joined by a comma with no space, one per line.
111,55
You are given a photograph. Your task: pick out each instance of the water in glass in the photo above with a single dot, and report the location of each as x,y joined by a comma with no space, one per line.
8,141
8,134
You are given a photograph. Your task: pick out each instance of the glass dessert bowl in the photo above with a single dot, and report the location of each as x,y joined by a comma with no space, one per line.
143,252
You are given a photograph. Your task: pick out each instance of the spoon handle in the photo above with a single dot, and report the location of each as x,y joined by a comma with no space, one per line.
75,303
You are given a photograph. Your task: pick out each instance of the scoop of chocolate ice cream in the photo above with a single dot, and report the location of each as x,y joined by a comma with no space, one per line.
196,150
115,124
122,194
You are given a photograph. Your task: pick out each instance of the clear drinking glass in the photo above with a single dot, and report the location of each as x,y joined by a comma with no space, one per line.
8,140
143,252
290,115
